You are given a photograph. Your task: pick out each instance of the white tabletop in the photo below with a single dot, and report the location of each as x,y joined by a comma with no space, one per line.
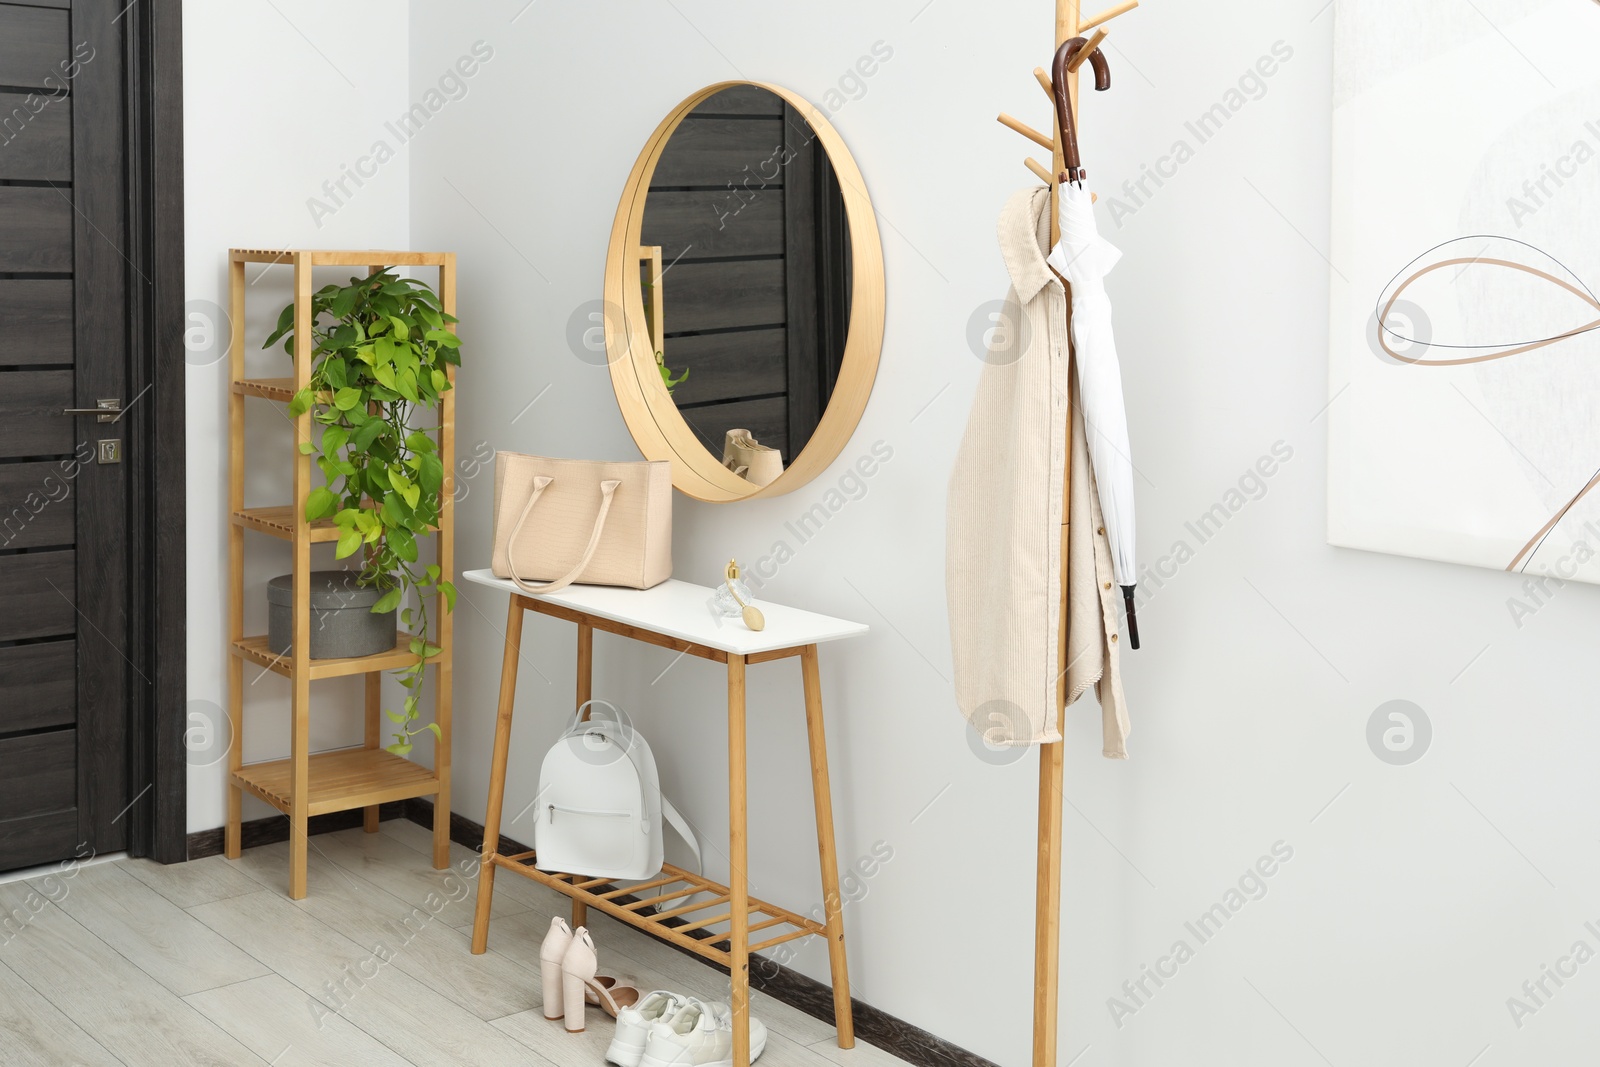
681,609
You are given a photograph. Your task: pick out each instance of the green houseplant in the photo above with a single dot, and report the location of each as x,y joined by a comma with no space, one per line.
661,359
666,375
379,356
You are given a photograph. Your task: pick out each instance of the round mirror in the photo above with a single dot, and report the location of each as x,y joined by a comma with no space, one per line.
744,293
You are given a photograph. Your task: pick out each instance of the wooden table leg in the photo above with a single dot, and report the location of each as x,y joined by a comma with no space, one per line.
374,706
738,863
1047,902
822,797
580,910
585,665
497,775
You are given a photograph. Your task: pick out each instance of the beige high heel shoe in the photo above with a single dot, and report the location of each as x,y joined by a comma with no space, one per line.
580,982
551,953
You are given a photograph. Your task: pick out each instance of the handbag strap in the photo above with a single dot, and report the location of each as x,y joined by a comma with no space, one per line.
680,824
608,490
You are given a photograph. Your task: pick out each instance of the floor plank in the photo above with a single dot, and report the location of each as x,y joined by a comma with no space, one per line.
863,1055
413,835
153,933
518,891
190,884
109,997
37,1034
492,985
353,981
782,1052
271,1018
421,840
550,1038
382,859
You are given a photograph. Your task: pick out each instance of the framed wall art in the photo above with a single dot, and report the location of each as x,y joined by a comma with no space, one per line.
1464,375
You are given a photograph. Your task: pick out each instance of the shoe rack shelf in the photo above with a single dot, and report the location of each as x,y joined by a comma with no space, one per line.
306,784
666,907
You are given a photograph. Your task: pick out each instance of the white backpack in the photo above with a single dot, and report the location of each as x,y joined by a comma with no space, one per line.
600,803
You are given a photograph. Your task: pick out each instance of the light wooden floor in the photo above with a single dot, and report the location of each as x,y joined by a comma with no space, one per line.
209,963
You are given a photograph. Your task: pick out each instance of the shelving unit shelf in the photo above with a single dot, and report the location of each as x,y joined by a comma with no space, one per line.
377,776
256,651
306,784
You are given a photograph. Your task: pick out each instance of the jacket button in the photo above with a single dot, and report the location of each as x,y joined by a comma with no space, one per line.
1101,531
1107,585
1113,638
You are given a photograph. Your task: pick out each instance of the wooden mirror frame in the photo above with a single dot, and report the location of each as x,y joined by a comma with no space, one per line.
658,428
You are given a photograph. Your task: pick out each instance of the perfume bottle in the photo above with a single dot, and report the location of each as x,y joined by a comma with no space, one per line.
734,600
726,605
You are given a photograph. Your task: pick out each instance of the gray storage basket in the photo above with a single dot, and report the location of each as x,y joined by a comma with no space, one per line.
342,622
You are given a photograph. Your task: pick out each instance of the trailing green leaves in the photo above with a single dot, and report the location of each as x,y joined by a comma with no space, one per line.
381,353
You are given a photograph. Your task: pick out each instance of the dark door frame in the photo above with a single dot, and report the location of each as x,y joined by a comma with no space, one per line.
158,772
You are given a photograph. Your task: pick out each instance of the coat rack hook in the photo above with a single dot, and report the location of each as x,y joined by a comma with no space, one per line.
1044,83
1107,15
1087,51
1027,131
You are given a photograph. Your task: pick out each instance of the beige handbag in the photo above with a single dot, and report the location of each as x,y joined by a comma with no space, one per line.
560,521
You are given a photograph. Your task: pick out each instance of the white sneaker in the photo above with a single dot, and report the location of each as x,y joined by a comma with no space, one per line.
633,1026
699,1035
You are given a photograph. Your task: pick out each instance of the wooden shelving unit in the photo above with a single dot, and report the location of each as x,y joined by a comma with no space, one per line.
306,783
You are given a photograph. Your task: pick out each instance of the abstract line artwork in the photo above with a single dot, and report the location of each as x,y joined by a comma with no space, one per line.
1464,368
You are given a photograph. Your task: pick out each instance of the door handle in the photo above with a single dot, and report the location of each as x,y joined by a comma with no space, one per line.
104,410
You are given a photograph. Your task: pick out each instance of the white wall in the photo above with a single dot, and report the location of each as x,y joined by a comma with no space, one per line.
278,98
1417,899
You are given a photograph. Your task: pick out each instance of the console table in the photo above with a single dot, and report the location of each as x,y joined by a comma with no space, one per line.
676,615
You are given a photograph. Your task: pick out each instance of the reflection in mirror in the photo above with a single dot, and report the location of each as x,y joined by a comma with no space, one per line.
745,267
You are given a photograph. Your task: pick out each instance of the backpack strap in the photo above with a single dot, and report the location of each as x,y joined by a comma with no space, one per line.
579,720
680,824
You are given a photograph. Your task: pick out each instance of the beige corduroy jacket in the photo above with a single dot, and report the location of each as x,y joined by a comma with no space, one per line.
1004,555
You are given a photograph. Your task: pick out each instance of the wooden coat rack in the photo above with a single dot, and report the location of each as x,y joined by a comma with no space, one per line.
1047,940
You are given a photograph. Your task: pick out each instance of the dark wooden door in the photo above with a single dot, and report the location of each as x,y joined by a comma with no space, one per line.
65,672
748,214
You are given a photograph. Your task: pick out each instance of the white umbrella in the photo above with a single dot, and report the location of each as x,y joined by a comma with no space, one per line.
1084,258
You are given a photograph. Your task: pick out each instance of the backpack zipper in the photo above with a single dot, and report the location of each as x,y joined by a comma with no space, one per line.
584,811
